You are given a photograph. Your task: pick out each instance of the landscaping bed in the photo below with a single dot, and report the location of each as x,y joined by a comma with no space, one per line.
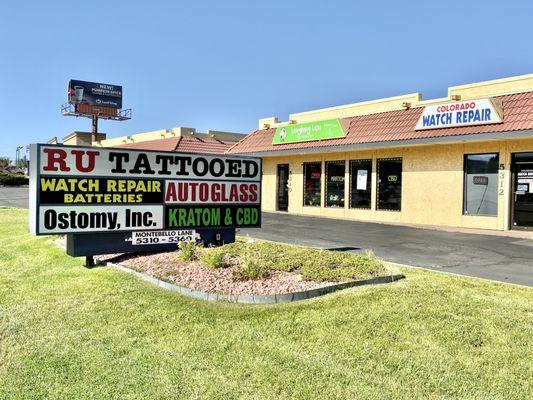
254,267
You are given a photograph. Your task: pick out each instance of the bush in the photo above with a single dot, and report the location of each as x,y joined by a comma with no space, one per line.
334,266
189,250
258,258
12,179
313,264
214,258
250,268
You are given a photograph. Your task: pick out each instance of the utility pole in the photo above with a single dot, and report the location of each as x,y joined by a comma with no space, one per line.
17,154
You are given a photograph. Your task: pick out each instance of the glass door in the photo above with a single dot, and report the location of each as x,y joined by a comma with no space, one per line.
283,187
523,190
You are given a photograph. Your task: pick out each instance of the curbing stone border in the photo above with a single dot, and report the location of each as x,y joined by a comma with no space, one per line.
256,299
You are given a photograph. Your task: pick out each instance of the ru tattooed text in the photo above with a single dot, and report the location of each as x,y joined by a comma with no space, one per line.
146,164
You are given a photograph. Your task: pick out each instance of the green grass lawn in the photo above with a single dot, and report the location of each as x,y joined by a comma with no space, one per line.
67,332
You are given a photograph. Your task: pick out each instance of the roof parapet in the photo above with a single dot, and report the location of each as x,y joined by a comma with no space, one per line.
178,131
496,87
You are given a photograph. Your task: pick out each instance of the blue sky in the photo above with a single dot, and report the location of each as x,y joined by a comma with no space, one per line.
224,64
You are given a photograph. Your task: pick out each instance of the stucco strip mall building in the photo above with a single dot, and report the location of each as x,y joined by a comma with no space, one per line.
461,161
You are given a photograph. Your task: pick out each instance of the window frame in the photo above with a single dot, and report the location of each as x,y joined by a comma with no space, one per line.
338,162
304,164
377,183
465,160
369,207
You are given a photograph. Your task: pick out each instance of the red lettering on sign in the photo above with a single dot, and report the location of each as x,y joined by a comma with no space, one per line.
223,197
55,156
253,192
79,159
456,107
215,192
171,192
204,192
244,192
193,186
233,194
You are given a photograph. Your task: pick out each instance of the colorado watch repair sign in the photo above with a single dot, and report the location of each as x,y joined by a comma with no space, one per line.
76,189
461,113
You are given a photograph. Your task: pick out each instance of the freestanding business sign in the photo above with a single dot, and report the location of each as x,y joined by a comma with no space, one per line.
102,190
320,130
94,94
461,113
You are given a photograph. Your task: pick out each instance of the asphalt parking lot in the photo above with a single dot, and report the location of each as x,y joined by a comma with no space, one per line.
13,196
505,259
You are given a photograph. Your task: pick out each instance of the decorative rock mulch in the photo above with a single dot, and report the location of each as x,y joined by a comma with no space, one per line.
194,275
197,280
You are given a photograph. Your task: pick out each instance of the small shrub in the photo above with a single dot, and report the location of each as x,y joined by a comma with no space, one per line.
235,249
214,258
250,269
261,257
335,266
13,179
370,264
189,250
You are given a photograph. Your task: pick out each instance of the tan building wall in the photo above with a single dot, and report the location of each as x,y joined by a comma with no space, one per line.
432,184
496,87
81,138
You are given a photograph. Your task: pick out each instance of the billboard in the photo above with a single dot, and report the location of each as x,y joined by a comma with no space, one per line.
94,94
460,113
320,130
86,189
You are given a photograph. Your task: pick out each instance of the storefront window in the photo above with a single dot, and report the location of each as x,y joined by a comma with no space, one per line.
360,174
312,175
389,173
481,184
335,183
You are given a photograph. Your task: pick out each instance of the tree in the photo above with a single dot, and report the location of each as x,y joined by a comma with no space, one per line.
22,162
4,162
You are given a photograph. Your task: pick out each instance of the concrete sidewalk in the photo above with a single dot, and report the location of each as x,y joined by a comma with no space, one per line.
501,258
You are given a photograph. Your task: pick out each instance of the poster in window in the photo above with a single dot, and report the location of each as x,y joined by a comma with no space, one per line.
362,179
526,182
522,188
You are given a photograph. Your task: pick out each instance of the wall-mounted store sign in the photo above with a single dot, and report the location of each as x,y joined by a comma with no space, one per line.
320,130
76,190
461,113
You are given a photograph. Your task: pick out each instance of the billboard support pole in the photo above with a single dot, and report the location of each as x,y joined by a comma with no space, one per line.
95,127
89,260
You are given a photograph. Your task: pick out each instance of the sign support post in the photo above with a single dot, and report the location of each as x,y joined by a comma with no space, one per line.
89,262
95,127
